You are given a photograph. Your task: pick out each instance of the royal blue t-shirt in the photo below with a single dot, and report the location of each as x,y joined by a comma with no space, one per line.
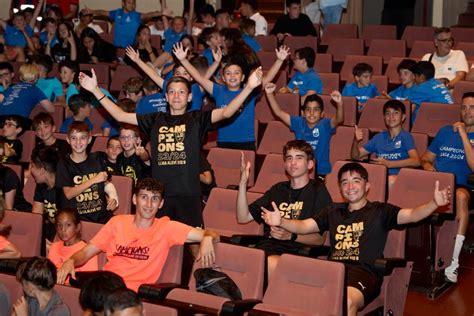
51,87
391,148
126,26
319,137
450,156
14,37
172,38
240,128
208,54
20,99
401,93
252,43
306,81
44,39
429,91
152,103
68,121
361,94
198,95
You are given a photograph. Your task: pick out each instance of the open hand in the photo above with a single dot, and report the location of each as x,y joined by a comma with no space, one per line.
132,54
272,218
179,51
88,83
283,52
255,78
336,96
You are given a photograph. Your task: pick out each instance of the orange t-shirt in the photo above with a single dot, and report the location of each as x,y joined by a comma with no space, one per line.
58,253
3,243
138,255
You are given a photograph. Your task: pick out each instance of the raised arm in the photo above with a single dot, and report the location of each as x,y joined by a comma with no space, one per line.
468,150
90,84
243,213
273,218
339,118
282,53
357,151
36,13
189,24
217,54
150,15
181,54
150,71
76,260
254,81
102,13
413,215
282,115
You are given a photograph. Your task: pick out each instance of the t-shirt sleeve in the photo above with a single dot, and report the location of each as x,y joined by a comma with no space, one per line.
38,94
436,143
57,88
409,142
323,198
39,196
265,201
113,14
18,147
322,219
346,90
146,121
11,181
177,233
390,216
375,92
371,145
295,123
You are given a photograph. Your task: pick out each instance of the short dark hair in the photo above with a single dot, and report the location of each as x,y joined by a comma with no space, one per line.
180,80
313,98
247,24
206,34
19,120
394,104
121,299
96,289
424,68
290,2
45,157
149,84
41,272
127,105
440,30
49,20
199,62
133,85
44,61
406,64
74,66
222,11
467,95
111,138
207,9
361,68
77,102
299,144
72,212
6,65
149,184
352,167
42,117
130,127
252,3
308,54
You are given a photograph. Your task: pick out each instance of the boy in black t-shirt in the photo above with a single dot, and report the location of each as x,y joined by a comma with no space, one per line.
358,230
11,147
44,127
84,179
134,160
176,141
113,150
299,198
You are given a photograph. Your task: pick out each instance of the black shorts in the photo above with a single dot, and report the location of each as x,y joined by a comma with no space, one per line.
184,209
278,247
365,281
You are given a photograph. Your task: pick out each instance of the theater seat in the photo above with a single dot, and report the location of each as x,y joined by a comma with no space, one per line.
226,165
272,172
26,231
70,296
124,187
275,137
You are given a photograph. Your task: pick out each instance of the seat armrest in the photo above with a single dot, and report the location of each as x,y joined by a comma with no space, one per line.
238,307
314,251
245,240
9,266
232,187
156,292
386,265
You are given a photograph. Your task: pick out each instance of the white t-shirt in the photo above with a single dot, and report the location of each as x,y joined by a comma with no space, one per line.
261,25
155,31
447,66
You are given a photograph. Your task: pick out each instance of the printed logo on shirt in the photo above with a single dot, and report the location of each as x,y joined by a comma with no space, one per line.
398,144
316,132
88,201
290,210
347,241
132,252
171,145
451,153
50,210
130,172
472,141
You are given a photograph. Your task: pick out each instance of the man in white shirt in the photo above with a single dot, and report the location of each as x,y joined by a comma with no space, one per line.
450,64
248,9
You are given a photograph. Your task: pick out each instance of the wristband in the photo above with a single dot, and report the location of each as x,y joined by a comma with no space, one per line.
102,98
293,237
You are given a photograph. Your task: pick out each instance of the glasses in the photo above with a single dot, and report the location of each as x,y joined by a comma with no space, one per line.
10,124
4,74
129,137
446,40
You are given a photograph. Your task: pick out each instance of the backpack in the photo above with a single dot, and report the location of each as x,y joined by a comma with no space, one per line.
214,282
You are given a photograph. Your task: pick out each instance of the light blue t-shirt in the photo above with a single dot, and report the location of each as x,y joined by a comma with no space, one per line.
20,99
208,54
401,93
391,148
429,91
306,81
450,157
51,87
172,38
362,94
319,137
126,26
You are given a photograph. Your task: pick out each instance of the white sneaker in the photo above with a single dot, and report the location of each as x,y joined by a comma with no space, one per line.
451,272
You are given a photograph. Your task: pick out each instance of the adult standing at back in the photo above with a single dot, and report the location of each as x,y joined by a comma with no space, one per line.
332,10
294,23
248,8
450,64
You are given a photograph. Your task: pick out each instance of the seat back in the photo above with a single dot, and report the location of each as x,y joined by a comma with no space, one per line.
391,71
296,42
29,189
102,72
372,116
460,88
153,309
171,272
312,284
226,165
352,60
323,63
387,48
124,187
462,34
275,137
122,73
341,47
467,48
97,117
414,187
245,266
267,58
342,31
350,109
268,43
14,288
377,180
432,116
330,82
420,33
341,143
290,103
421,142
70,296
28,139
88,231
379,32
26,231
220,213
272,171
420,48
100,143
